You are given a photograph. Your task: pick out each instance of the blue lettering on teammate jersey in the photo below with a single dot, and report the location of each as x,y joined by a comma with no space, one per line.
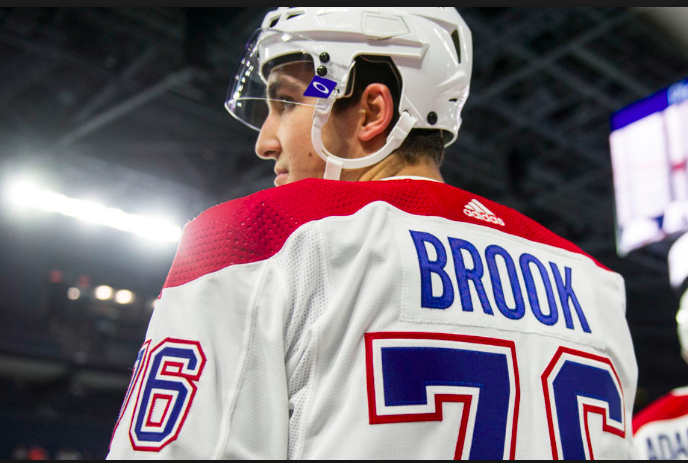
668,447
439,293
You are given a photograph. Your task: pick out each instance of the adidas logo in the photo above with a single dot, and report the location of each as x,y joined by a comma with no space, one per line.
476,210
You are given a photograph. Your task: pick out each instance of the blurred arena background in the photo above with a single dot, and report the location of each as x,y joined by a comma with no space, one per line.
115,116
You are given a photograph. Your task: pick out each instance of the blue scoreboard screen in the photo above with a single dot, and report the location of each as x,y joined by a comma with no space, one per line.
649,146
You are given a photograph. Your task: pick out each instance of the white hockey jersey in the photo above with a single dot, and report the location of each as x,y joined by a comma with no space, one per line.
661,430
402,319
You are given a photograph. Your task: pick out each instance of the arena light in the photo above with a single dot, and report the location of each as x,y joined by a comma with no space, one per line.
26,195
124,297
104,293
73,294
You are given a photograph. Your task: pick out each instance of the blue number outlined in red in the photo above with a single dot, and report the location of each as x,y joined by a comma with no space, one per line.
399,400
598,391
172,370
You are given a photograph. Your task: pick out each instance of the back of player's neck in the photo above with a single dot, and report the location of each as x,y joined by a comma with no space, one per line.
393,167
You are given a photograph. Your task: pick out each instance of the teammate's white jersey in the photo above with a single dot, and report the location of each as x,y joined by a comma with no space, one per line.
661,430
402,319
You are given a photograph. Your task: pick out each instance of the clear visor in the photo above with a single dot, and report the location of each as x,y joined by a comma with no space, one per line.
250,99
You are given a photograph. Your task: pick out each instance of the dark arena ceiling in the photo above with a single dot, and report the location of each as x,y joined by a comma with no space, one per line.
128,102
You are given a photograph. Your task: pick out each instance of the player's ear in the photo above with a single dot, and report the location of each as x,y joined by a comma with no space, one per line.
377,105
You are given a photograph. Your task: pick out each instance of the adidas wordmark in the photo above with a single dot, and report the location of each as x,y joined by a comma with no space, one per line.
478,211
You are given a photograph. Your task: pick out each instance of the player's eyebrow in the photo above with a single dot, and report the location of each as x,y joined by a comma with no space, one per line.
274,88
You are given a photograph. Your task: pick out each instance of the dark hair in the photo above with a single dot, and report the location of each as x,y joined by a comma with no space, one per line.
420,143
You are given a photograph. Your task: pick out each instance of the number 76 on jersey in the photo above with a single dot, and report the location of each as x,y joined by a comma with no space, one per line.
411,375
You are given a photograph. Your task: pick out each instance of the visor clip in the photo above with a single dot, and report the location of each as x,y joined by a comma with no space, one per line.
322,71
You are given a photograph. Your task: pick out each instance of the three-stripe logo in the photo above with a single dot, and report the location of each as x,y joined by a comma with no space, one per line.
478,211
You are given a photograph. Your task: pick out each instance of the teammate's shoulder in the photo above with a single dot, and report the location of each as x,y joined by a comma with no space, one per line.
671,406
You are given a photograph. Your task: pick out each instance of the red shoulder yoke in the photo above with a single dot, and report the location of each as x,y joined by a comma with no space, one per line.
255,228
668,407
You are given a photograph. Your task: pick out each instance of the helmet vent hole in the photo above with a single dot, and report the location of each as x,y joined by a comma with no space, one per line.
274,23
457,44
295,15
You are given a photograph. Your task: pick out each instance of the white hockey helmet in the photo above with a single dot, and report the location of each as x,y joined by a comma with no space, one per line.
682,319
431,48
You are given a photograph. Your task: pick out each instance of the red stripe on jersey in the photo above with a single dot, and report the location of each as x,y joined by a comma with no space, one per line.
667,408
255,228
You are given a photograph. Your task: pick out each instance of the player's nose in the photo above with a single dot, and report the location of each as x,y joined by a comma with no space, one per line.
268,145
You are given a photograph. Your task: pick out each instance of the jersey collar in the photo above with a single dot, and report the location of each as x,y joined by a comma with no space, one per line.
410,178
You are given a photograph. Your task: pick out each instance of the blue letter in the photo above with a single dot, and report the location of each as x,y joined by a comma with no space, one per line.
475,275
651,455
553,317
566,294
428,267
666,448
680,448
519,311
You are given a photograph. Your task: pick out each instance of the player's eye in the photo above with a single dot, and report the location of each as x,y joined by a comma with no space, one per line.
281,104
286,103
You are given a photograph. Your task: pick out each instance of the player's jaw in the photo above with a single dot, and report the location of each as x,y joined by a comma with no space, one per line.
287,142
297,165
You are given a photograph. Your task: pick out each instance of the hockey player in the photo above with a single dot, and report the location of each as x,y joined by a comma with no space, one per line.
364,309
661,430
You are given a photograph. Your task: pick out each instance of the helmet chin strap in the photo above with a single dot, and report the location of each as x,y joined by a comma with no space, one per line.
335,164
333,169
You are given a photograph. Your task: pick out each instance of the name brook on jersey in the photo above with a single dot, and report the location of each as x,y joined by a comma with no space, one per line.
438,287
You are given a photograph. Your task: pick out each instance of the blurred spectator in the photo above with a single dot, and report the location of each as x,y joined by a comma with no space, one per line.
37,453
20,453
69,454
